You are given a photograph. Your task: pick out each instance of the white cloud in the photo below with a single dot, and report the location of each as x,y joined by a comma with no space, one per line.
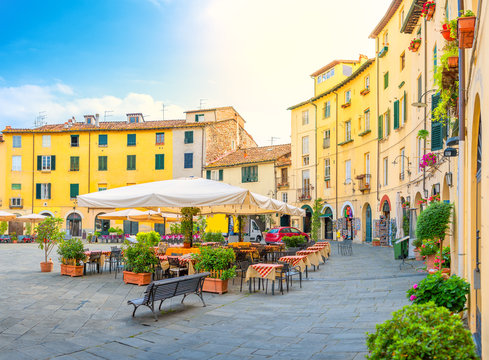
20,105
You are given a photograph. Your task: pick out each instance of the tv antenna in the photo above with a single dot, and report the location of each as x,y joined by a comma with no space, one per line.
272,138
107,114
202,103
40,119
163,110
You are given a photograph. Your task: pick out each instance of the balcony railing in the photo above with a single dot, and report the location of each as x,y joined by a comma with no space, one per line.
364,182
282,182
304,194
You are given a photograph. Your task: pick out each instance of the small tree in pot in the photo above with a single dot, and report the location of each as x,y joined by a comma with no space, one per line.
71,255
140,261
187,224
219,262
48,235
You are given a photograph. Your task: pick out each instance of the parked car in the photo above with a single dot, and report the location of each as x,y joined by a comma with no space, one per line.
275,235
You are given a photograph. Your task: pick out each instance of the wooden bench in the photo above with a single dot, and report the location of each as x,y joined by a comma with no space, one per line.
168,288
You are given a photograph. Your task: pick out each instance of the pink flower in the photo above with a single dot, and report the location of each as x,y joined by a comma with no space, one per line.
412,297
415,286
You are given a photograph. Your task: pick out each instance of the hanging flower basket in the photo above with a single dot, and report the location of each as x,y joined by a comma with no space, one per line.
429,159
415,44
446,32
466,26
428,10
453,62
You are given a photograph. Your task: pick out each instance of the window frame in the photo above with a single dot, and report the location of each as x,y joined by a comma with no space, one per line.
188,159
348,178
188,137
403,60
17,141
386,171
348,96
131,163
75,143
366,120
103,136
249,174
74,160
18,161
305,145
159,161
160,138
101,162
131,140
305,117
46,141
348,130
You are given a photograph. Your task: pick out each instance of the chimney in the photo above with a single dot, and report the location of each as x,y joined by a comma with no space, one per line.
73,119
96,119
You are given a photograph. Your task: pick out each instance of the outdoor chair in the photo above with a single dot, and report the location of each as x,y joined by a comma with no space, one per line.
291,272
241,268
175,267
118,262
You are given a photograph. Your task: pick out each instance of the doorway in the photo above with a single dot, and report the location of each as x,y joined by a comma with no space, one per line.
73,224
306,222
328,224
368,224
285,220
102,225
478,240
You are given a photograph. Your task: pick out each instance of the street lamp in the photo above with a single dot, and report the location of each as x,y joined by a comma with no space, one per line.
420,104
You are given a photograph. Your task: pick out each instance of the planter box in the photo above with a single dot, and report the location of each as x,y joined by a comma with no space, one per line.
216,286
72,270
446,35
466,27
136,278
431,11
415,46
376,243
453,62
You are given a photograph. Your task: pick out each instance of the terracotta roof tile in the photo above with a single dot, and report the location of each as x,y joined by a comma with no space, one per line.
252,155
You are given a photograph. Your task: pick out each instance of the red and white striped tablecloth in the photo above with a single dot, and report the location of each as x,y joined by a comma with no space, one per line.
264,271
296,260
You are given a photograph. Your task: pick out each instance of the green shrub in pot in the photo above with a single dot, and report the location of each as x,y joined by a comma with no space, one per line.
140,257
71,251
218,261
294,241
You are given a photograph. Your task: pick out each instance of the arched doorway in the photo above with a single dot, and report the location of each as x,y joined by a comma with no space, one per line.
348,227
328,223
368,223
478,240
285,220
73,224
306,220
102,225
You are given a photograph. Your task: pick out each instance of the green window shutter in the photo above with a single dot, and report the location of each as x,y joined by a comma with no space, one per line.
388,115
196,118
74,190
386,80
160,161
396,114
244,174
38,191
102,139
77,163
436,135
131,139
49,191
53,162
208,174
404,107
189,137
380,127
39,163
221,174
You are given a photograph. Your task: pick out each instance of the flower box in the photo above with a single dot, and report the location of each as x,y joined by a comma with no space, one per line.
364,91
466,27
216,286
72,270
47,266
415,45
136,278
429,9
376,243
453,62
345,105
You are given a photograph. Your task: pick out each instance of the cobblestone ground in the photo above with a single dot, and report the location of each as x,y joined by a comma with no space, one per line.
51,316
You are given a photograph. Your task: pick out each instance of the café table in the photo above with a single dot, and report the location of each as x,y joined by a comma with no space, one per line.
312,255
263,271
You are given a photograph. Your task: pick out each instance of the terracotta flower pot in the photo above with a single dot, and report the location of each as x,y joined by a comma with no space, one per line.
216,286
47,266
376,243
430,261
453,62
431,11
136,278
72,270
418,256
446,271
466,27
446,35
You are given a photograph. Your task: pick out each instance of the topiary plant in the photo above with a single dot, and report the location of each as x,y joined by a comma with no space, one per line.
422,331
450,293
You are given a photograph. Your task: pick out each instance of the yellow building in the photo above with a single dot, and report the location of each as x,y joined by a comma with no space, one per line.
47,167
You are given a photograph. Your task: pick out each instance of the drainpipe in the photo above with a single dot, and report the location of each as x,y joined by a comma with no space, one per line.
461,157
336,154
377,117
315,150
33,171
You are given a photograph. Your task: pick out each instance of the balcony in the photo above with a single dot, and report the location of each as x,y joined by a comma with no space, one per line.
364,183
282,182
304,194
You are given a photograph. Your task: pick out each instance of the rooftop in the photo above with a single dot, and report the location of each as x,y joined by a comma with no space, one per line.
332,64
388,15
252,155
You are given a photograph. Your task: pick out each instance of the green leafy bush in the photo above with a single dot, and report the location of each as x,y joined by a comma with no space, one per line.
152,238
213,237
433,222
405,225
3,227
294,241
445,263
429,247
71,249
417,243
218,261
450,293
140,257
422,331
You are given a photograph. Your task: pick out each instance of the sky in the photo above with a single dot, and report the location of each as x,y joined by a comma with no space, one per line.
60,59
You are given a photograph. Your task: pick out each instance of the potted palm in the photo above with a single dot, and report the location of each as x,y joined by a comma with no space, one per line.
219,262
48,235
71,256
140,259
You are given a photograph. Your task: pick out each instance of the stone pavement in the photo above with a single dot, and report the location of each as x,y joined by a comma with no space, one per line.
51,316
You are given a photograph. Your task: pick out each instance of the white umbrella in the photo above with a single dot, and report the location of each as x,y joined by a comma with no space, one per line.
121,214
33,218
6,216
211,197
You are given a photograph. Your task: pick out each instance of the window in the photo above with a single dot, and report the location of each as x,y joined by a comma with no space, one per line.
75,140
327,109
420,87
396,114
306,182
74,163
159,161
131,162
216,175
386,38
402,109
199,117
402,164
188,161
386,171
420,152
43,191
305,145
133,119
367,82
74,191
16,186
131,139
387,120
401,18
305,160
16,163
348,131
16,202
327,170
249,174
16,141
284,172
326,138
347,171
305,117
160,138
367,166
348,97
285,197
102,163
46,141
386,80
102,187
102,140
381,126
367,120
46,163
188,137
403,60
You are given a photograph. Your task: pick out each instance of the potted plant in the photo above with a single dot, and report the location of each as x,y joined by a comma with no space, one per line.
294,241
446,32
466,26
13,236
428,10
112,231
415,44
444,262
423,331
152,238
428,159
48,235
219,262
376,242
140,260
71,254
450,292
417,243
187,224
